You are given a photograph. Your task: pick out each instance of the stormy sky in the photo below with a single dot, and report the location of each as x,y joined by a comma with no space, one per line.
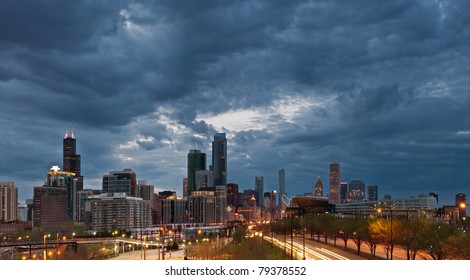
382,87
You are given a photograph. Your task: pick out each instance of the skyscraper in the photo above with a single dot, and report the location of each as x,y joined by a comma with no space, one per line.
372,192
71,161
282,185
259,188
204,179
55,202
461,203
124,181
196,162
8,202
232,196
318,189
343,192
219,159
356,191
333,194
67,180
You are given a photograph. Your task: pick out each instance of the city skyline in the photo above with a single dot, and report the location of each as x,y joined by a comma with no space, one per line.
379,88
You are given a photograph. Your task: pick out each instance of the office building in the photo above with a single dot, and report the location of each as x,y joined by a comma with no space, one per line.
204,179
372,192
343,192
124,181
356,191
333,193
232,196
82,196
196,162
156,209
259,188
461,203
144,190
173,210
8,202
71,162
219,159
220,204
281,185
67,180
22,212
318,189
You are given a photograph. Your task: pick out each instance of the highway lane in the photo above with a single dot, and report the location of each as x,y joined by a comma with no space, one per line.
313,250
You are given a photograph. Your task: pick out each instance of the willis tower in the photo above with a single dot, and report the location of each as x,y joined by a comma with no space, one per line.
71,161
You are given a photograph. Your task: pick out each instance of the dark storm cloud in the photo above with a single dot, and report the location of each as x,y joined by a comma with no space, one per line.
391,78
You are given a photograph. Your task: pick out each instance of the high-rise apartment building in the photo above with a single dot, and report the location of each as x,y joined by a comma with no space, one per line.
318,189
219,159
196,162
117,211
461,203
71,161
259,188
124,181
8,202
333,193
281,185
50,203
372,192
202,207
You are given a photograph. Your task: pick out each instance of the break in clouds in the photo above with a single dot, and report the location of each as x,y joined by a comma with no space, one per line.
381,87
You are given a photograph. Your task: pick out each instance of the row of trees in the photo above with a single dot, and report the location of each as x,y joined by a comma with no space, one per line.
429,239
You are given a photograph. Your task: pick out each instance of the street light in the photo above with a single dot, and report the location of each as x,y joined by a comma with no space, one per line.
45,245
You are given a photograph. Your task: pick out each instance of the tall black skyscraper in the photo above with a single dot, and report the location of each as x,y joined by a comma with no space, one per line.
196,162
72,161
219,159
259,188
281,185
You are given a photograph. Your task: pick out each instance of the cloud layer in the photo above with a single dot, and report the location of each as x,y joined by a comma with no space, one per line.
381,87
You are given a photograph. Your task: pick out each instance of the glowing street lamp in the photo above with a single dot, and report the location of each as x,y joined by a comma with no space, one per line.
45,245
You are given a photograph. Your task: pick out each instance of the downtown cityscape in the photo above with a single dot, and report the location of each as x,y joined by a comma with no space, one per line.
65,221
235,130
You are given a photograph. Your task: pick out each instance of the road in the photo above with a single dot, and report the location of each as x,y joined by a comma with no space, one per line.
313,249
151,254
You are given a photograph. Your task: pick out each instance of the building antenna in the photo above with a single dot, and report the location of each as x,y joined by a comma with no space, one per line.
66,133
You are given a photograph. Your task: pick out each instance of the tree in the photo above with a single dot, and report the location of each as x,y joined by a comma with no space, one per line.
436,239
326,225
360,227
380,231
408,234
345,230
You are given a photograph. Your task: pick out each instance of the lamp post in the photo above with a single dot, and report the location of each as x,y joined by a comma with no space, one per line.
45,245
